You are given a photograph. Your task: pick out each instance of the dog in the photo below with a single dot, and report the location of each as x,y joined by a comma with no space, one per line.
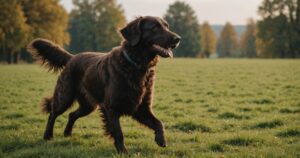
119,82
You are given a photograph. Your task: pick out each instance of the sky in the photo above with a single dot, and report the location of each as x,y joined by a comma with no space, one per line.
214,11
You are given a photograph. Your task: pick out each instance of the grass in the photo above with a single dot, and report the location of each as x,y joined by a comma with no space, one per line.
210,108
241,141
268,124
190,127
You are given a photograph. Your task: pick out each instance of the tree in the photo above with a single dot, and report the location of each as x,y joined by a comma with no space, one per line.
279,31
110,18
13,30
82,27
182,20
208,40
227,43
248,40
47,19
23,20
94,25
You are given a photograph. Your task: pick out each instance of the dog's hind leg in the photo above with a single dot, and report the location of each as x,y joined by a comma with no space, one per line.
85,108
113,128
62,100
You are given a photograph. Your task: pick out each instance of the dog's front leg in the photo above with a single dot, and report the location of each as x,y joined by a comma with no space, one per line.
113,128
146,117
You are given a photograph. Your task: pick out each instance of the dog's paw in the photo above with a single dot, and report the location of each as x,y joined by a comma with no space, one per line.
67,134
160,140
48,137
122,150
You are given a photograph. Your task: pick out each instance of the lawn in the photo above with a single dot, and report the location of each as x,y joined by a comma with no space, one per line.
210,108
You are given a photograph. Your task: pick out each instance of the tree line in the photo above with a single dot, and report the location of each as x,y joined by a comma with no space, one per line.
93,26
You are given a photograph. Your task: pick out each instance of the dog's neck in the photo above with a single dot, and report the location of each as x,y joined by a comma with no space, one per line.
139,58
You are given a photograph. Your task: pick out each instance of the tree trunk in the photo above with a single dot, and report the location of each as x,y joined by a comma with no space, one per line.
16,57
206,53
9,57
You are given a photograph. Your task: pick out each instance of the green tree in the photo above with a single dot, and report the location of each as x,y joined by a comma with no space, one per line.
94,25
248,40
279,31
208,40
47,19
182,20
227,43
109,20
13,30
82,27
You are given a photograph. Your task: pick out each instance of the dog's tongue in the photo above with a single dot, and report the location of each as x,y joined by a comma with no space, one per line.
169,52
163,52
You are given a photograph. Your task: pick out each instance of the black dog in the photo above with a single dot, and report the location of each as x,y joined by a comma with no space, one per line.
120,82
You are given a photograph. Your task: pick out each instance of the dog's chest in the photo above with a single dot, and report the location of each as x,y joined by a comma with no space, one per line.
133,92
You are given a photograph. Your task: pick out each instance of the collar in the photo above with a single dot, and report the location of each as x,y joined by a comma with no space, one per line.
130,60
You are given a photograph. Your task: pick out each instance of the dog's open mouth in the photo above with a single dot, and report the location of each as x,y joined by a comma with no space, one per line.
163,52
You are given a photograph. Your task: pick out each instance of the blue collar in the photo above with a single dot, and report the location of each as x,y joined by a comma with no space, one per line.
130,60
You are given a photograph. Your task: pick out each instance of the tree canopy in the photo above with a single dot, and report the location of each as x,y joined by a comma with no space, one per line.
227,43
13,30
94,25
208,40
183,21
279,31
23,20
47,19
248,40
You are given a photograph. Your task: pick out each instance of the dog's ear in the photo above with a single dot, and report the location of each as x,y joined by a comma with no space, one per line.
132,32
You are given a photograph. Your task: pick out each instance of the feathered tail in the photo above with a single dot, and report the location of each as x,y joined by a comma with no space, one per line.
51,55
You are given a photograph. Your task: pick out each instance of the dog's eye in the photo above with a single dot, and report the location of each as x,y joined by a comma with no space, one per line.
156,27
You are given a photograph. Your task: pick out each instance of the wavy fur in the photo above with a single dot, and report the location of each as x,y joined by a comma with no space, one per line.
50,54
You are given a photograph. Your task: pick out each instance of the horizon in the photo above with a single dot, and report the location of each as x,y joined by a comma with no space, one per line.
204,9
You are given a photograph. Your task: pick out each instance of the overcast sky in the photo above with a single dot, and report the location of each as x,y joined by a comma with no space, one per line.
214,11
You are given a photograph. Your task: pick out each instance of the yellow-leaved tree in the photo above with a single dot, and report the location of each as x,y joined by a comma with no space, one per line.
208,40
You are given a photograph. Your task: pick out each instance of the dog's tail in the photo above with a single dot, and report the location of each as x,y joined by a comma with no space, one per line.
51,55
46,105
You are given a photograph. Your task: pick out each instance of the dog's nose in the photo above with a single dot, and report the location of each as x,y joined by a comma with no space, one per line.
176,39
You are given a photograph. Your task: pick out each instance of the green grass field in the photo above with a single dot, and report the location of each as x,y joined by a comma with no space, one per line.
210,108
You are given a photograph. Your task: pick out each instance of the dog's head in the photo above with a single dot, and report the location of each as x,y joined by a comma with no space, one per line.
153,34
